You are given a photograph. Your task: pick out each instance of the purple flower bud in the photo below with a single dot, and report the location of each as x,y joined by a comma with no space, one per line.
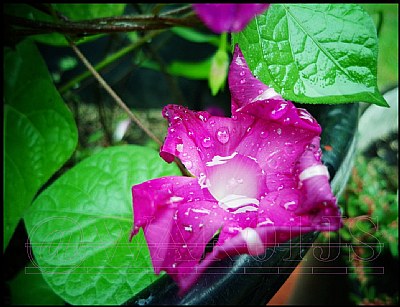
228,17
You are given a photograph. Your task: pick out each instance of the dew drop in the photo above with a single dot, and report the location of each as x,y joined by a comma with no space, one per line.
242,81
188,164
272,163
279,131
206,142
289,205
223,135
242,73
263,134
288,148
202,117
310,147
179,147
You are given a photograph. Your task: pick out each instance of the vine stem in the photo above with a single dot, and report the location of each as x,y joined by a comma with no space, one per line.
110,59
112,93
119,101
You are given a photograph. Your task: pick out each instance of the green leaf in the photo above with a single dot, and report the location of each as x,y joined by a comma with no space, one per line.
190,70
196,36
79,227
72,11
39,131
314,53
31,289
388,57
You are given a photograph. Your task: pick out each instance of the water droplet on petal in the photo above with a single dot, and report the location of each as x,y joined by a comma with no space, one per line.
289,205
279,131
272,163
263,134
207,142
179,147
202,117
223,135
188,164
242,81
289,148
242,73
200,152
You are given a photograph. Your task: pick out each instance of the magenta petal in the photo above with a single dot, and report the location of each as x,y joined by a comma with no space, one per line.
316,193
228,17
251,96
197,137
178,219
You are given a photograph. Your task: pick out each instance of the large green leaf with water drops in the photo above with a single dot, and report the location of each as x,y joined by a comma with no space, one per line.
31,289
79,227
39,131
314,53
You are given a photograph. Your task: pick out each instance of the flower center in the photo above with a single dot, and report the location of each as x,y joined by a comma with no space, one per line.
235,181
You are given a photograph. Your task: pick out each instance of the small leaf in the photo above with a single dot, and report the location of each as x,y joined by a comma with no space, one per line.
218,71
314,53
79,227
39,131
196,36
190,70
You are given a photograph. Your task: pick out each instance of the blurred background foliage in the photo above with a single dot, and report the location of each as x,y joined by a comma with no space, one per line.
150,69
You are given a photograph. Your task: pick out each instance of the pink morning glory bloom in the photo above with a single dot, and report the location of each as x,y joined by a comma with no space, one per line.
258,180
228,17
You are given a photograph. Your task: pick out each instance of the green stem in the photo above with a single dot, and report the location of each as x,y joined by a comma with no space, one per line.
110,59
223,41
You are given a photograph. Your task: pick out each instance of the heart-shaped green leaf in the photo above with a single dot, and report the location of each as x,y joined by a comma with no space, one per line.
79,227
39,131
31,289
314,53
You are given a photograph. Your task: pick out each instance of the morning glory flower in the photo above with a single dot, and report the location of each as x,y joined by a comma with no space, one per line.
228,17
258,180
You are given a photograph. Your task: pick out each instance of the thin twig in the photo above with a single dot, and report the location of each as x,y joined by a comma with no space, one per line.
110,91
110,59
180,10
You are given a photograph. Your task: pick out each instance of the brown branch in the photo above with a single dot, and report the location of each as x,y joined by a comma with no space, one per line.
98,26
